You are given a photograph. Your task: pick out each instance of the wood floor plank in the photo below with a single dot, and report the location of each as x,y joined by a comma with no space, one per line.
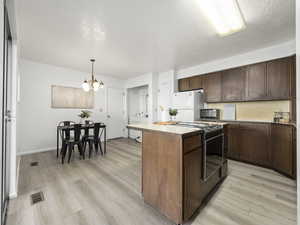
106,190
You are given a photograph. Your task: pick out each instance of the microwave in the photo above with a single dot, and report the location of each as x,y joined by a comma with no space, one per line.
210,114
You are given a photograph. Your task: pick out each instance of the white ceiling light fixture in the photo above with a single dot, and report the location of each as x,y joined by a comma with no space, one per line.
225,15
92,84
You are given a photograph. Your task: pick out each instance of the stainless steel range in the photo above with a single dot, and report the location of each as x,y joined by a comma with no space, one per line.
213,146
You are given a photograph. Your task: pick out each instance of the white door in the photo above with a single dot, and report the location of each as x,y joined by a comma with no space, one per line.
115,113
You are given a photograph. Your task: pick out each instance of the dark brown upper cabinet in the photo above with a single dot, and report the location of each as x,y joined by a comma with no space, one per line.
212,87
195,82
279,78
184,84
256,82
272,80
233,84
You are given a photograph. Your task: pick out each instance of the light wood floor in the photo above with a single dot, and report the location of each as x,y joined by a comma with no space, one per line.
106,191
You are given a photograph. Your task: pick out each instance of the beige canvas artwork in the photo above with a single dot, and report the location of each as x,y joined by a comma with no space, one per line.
70,97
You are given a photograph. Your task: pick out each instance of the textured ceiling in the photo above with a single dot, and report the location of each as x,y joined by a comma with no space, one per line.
132,37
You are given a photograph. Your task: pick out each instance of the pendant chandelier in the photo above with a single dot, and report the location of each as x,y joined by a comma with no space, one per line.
92,84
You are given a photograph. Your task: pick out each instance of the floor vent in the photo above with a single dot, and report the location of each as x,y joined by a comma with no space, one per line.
37,197
34,163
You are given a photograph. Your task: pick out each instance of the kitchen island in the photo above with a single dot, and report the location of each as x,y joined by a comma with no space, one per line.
175,167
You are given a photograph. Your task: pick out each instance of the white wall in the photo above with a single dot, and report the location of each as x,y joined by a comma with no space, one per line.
259,55
37,120
166,86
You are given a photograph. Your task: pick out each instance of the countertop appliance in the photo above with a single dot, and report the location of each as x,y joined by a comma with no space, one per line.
210,114
213,147
188,105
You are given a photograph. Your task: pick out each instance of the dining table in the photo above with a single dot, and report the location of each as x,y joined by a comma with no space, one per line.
102,134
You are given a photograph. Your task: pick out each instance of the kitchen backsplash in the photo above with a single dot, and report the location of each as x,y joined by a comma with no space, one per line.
255,111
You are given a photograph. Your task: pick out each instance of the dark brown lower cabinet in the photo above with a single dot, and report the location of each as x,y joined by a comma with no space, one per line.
263,144
233,149
283,149
192,184
254,143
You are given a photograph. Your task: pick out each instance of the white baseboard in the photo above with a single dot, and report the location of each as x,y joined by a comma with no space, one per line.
13,195
18,173
36,151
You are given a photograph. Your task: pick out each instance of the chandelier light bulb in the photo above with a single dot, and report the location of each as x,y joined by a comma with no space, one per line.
96,85
86,86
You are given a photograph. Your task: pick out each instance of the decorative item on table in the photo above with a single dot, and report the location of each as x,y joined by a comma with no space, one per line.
281,117
173,113
164,114
84,115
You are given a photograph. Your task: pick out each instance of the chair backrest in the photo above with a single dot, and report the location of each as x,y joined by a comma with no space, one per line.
66,133
96,129
77,132
87,129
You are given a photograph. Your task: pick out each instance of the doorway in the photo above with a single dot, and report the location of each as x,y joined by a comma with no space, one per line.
115,113
137,109
5,98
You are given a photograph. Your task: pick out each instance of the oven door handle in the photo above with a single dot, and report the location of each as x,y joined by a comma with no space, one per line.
214,137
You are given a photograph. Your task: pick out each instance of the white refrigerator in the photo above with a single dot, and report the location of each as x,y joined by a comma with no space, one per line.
188,105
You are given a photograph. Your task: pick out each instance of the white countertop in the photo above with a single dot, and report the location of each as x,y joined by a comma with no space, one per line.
163,128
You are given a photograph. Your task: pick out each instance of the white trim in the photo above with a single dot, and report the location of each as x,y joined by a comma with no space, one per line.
17,175
36,151
13,123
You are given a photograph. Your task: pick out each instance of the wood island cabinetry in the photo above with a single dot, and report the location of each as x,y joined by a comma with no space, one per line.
172,171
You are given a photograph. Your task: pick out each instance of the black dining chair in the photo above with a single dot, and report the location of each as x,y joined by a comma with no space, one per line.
69,143
66,134
93,140
86,132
